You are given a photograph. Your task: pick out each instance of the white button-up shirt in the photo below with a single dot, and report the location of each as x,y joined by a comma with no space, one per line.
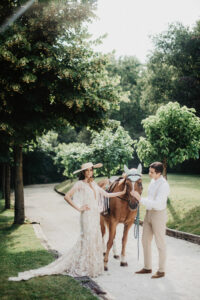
158,192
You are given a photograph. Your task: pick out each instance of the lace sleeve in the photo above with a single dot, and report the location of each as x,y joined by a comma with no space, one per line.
101,191
77,199
102,198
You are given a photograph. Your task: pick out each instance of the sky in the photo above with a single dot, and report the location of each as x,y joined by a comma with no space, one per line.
129,23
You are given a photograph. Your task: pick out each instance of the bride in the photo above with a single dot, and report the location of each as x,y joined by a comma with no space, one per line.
86,257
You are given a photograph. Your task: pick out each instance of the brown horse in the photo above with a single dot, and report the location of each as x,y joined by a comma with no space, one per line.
121,210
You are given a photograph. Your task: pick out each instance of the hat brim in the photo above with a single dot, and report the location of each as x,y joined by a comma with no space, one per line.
99,165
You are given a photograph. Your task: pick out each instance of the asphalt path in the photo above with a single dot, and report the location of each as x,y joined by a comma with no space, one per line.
59,223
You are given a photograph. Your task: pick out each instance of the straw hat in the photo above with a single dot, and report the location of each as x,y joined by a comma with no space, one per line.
88,166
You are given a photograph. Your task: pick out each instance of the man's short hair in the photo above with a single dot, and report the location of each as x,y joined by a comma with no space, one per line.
158,166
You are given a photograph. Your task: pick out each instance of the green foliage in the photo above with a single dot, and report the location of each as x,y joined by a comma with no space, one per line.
8,8
50,74
130,114
67,135
172,136
48,142
112,147
72,156
173,69
38,160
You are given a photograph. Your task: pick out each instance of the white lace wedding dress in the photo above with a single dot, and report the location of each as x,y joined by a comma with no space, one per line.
86,256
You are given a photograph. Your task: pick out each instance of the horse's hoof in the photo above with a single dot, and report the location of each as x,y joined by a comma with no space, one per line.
124,264
116,256
105,268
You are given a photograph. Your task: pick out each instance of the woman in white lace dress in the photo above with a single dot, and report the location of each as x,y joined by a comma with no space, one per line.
86,256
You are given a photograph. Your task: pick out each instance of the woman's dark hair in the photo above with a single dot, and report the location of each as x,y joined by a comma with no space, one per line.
81,175
157,166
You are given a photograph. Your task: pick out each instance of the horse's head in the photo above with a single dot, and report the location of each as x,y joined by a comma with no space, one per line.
133,182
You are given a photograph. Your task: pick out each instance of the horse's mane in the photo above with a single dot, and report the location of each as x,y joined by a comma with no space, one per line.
114,184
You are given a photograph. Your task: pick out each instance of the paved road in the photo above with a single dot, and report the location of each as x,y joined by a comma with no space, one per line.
60,224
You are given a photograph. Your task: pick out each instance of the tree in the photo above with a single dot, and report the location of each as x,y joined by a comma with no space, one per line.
69,157
129,69
113,148
5,162
172,136
8,9
50,77
173,69
38,160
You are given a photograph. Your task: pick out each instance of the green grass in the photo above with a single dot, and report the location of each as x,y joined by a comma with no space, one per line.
20,250
183,205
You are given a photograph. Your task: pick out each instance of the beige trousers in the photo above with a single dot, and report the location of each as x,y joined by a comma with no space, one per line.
154,224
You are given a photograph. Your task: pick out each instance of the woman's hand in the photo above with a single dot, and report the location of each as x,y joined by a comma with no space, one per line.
136,195
84,208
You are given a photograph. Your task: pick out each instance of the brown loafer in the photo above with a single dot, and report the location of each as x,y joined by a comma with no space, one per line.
144,271
158,275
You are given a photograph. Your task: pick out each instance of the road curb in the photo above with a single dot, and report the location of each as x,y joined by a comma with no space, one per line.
192,238
60,193
41,236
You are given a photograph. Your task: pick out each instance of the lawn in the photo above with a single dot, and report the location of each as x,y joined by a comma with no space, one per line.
183,205
20,250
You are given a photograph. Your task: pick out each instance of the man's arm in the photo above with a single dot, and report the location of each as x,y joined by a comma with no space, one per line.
160,200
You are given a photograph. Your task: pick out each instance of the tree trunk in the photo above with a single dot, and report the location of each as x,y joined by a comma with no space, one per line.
7,186
3,180
165,168
19,191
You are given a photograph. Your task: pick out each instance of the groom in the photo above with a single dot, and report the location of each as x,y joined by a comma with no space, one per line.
155,219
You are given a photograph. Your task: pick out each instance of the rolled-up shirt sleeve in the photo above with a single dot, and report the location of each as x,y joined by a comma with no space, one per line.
160,200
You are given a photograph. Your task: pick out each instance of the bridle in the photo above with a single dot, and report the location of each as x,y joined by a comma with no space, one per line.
132,178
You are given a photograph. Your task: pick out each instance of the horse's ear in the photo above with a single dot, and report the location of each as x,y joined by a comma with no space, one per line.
139,169
126,169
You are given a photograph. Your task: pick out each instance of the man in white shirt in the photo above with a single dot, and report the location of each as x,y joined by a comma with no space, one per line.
155,219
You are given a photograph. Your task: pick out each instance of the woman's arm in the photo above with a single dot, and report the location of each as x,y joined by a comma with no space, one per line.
68,196
111,195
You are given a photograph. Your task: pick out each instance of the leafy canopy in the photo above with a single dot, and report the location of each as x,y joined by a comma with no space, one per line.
131,114
172,136
172,72
112,147
50,76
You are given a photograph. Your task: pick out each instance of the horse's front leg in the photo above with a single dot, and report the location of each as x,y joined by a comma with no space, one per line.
115,255
124,242
112,232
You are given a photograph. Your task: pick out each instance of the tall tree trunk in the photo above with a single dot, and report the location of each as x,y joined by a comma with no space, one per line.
7,186
165,168
19,191
3,180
